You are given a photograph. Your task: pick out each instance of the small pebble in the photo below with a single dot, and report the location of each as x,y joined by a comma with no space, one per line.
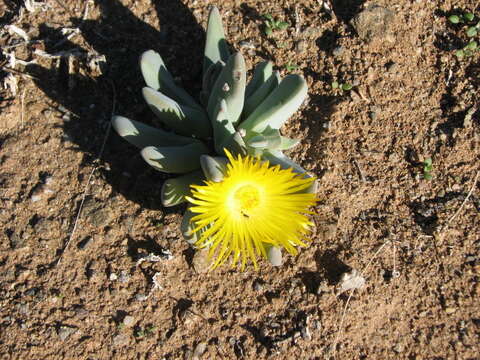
450,310
300,46
338,51
140,297
65,331
199,350
129,321
275,256
121,340
113,277
200,261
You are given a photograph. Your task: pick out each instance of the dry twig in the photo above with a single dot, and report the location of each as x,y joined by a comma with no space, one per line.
87,185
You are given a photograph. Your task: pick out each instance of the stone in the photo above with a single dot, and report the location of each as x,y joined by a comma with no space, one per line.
121,340
129,321
201,262
374,23
65,331
275,256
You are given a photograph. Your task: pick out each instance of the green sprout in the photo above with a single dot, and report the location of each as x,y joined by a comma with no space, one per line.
472,31
427,169
291,66
148,331
341,86
271,25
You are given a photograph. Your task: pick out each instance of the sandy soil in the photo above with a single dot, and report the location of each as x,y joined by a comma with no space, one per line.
416,241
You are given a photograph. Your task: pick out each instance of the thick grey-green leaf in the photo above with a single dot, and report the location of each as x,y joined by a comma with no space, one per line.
175,189
261,73
209,78
230,85
235,144
216,47
213,167
276,157
222,126
175,159
159,78
187,227
257,97
181,118
278,106
142,135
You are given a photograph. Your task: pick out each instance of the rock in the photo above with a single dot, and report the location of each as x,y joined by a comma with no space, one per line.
257,285
129,321
275,256
141,297
121,340
65,331
199,350
300,46
338,51
200,261
374,23
84,243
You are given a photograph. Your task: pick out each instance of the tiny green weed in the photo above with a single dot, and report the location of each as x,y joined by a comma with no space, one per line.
427,169
271,25
341,86
291,66
468,19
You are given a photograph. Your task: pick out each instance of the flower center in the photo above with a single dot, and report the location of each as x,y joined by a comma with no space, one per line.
246,199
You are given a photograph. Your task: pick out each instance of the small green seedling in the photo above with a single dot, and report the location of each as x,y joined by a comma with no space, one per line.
472,31
148,331
271,25
427,169
291,67
341,86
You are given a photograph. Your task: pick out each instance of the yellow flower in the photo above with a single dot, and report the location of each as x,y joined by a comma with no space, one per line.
254,207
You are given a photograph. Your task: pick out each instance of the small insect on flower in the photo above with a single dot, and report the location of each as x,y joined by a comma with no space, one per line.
254,207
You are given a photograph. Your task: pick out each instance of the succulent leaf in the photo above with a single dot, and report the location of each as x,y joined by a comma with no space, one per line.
222,127
261,73
276,157
209,78
230,85
175,189
142,135
175,159
278,106
216,47
181,118
213,167
159,78
256,98
235,144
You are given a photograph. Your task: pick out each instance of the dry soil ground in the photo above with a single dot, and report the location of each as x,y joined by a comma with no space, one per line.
416,241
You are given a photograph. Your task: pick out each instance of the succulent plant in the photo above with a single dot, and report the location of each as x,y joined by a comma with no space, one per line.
243,118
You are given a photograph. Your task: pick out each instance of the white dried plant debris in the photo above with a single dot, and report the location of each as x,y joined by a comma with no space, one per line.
15,30
351,280
11,82
32,5
96,62
70,32
165,255
60,54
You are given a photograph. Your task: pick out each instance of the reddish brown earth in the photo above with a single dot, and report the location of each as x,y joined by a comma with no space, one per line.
416,241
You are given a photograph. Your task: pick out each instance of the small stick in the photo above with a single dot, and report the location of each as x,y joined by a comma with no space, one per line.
350,296
22,114
298,20
87,185
464,202
359,170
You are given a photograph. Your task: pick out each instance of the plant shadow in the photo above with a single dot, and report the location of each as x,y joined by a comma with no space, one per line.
86,99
